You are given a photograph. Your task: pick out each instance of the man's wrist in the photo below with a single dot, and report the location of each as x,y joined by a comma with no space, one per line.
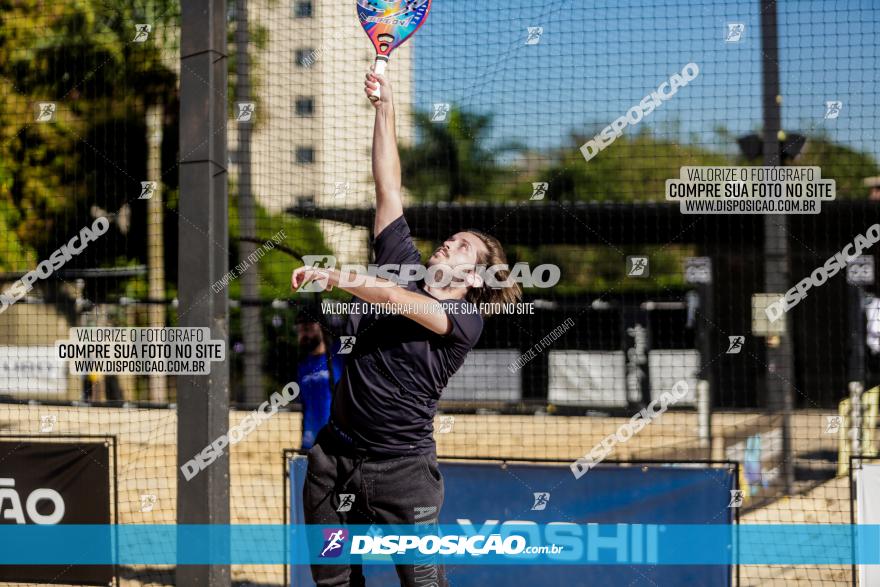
385,110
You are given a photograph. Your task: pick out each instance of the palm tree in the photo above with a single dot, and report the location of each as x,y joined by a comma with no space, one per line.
450,161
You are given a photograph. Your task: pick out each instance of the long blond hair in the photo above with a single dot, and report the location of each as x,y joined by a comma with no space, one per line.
487,294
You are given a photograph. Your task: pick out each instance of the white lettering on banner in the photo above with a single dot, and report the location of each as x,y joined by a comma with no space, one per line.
450,544
13,511
631,543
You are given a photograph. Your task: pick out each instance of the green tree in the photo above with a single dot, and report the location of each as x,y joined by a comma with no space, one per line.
632,169
451,161
78,55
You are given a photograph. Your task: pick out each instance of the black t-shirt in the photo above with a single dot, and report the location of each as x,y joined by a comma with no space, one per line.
393,378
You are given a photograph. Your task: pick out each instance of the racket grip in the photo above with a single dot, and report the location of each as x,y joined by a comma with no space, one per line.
378,69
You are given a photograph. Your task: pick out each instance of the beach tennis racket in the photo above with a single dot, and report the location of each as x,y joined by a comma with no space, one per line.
389,24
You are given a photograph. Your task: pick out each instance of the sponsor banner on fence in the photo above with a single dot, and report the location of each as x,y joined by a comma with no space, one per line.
31,369
868,499
45,484
618,520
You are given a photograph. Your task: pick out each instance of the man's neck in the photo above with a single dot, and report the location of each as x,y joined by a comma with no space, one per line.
319,350
446,293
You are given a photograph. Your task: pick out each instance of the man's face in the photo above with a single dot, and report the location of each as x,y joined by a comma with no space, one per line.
308,336
461,250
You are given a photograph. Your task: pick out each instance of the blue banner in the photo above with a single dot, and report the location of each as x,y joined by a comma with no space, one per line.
589,546
635,502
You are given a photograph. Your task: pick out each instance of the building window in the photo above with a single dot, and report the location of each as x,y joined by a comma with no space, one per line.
305,106
305,57
302,8
305,155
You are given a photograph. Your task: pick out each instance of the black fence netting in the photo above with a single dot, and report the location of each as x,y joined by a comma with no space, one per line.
561,129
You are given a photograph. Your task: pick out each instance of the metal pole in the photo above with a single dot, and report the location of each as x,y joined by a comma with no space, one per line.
251,325
155,243
776,254
203,401
856,358
706,383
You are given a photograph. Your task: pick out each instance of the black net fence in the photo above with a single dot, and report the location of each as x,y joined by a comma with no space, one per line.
554,128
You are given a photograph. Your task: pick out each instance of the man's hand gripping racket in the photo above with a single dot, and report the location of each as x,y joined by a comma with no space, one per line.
389,24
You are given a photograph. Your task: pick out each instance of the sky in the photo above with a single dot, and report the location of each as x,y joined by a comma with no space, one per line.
595,60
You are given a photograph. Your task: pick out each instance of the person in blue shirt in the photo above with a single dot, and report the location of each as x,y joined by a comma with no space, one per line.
312,375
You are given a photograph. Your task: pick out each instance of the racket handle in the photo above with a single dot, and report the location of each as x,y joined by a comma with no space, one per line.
378,69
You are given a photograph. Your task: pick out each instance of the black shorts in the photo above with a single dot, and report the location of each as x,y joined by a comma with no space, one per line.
386,490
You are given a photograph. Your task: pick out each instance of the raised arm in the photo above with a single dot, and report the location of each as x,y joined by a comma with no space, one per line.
386,160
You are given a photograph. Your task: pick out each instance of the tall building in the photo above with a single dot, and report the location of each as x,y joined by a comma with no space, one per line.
312,141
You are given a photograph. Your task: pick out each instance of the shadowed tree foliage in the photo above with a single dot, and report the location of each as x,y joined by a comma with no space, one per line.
843,164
